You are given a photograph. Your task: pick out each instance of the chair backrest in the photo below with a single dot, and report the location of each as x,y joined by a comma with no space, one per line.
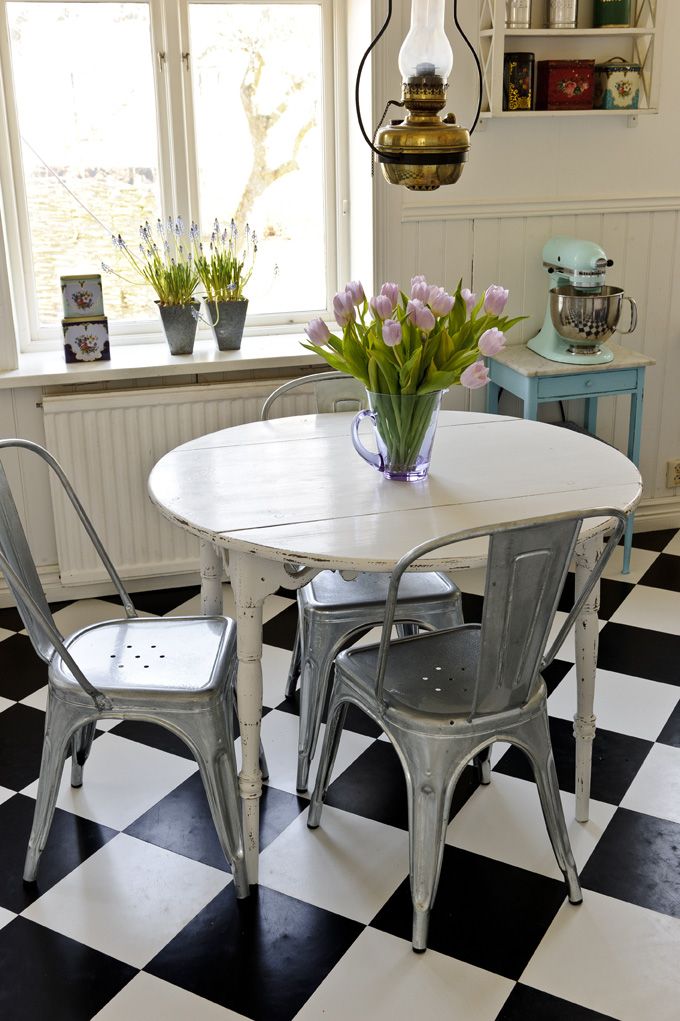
333,391
526,568
22,577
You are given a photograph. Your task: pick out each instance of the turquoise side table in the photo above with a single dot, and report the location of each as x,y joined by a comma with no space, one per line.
536,380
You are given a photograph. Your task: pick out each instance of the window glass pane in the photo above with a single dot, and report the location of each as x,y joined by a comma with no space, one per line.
257,88
85,100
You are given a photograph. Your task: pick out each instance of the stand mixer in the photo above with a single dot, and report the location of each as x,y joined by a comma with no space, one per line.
582,311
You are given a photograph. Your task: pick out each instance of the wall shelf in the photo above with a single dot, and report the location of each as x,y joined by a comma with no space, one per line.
636,44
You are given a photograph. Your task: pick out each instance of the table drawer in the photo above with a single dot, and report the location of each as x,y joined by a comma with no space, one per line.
587,384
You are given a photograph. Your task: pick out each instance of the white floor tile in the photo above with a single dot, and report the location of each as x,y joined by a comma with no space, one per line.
472,581
37,699
382,979
623,703
504,821
147,998
6,794
280,739
613,957
674,545
350,865
567,652
640,562
275,666
656,787
5,917
4,633
122,780
655,608
124,899
5,703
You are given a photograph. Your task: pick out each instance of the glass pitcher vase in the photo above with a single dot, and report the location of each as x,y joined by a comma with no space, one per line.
404,427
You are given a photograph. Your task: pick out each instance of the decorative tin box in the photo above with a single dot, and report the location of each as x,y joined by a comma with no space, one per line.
82,296
612,13
87,339
565,84
518,81
617,85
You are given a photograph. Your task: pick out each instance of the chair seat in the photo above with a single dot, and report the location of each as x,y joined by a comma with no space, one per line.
329,591
149,658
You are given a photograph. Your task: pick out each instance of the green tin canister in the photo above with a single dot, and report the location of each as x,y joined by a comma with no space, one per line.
611,13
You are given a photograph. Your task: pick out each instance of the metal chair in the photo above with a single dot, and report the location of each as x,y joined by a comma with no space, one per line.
334,612
442,697
174,671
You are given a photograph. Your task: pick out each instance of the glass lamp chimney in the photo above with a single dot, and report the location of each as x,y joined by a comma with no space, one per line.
426,50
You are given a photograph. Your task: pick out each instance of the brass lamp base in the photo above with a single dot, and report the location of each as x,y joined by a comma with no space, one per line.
423,151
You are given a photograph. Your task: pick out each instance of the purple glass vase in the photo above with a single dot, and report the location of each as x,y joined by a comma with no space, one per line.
404,428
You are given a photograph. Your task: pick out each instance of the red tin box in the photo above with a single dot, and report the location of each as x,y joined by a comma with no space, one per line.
565,84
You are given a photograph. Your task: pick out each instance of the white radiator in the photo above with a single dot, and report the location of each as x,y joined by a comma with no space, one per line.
107,442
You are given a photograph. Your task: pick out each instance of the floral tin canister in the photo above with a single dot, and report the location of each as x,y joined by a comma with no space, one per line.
82,296
518,81
617,85
86,340
565,84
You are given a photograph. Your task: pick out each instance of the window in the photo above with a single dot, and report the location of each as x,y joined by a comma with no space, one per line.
121,112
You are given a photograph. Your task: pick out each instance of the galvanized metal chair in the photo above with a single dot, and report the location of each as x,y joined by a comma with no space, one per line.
174,671
334,612
443,697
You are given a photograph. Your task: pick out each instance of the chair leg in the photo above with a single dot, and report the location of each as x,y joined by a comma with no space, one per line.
336,721
482,762
295,666
81,746
60,724
314,683
536,733
207,733
264,768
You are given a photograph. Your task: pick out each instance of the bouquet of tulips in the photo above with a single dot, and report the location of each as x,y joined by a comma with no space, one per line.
410,346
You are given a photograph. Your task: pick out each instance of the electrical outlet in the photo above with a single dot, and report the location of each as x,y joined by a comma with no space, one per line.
673,474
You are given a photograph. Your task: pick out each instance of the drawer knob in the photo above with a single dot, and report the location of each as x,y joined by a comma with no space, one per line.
589,382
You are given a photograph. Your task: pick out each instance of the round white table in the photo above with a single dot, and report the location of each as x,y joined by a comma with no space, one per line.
292,491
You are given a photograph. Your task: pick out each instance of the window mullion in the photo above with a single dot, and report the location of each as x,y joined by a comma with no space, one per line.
172,77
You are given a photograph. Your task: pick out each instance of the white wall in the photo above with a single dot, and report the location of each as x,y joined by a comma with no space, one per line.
527,180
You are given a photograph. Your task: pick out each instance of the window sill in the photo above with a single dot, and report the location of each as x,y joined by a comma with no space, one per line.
149,361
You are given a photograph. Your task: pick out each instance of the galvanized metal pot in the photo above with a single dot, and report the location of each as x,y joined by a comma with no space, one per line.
179,323
227,319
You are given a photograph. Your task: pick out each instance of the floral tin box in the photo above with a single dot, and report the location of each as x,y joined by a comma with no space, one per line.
82,296
617,85
86,340
565,84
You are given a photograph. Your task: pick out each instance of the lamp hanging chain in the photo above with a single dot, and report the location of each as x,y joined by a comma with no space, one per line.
390,102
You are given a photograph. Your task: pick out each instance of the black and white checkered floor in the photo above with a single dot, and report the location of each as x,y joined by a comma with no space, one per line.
134,915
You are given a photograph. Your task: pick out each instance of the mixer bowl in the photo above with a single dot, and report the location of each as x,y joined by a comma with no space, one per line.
585,319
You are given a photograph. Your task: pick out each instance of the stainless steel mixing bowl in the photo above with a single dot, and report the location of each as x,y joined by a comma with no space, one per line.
587,320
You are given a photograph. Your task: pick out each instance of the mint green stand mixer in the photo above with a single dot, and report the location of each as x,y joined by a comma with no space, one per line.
583,312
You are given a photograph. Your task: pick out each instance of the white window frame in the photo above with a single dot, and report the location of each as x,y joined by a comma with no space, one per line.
178,179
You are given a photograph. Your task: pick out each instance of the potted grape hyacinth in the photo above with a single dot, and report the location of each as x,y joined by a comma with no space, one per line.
407,350
167,264
224,273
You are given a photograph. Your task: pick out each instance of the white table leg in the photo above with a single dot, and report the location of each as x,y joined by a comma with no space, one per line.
252,580
211,579
587,639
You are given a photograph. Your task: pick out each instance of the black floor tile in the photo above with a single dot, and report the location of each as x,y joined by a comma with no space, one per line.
616,760
181,822
71,840
158,601
527,1004
374,787
356,721
21,740
555,673
640,652
612,594
10,619
262,958
154,736
671,731
664,573
21,671
478,897
54,977
637,859
280,630
472,607
655,541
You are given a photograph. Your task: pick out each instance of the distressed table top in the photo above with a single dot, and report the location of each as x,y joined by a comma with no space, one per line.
521,359
294,489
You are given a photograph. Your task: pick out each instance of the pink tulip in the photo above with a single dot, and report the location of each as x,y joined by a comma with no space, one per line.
391,332
317,331
381,306
420,289
420,315
469,298
495,299
491,342
392,292
356,289
343,307
475,376
439,301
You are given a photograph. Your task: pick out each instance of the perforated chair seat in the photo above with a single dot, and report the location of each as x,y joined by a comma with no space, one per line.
330,591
